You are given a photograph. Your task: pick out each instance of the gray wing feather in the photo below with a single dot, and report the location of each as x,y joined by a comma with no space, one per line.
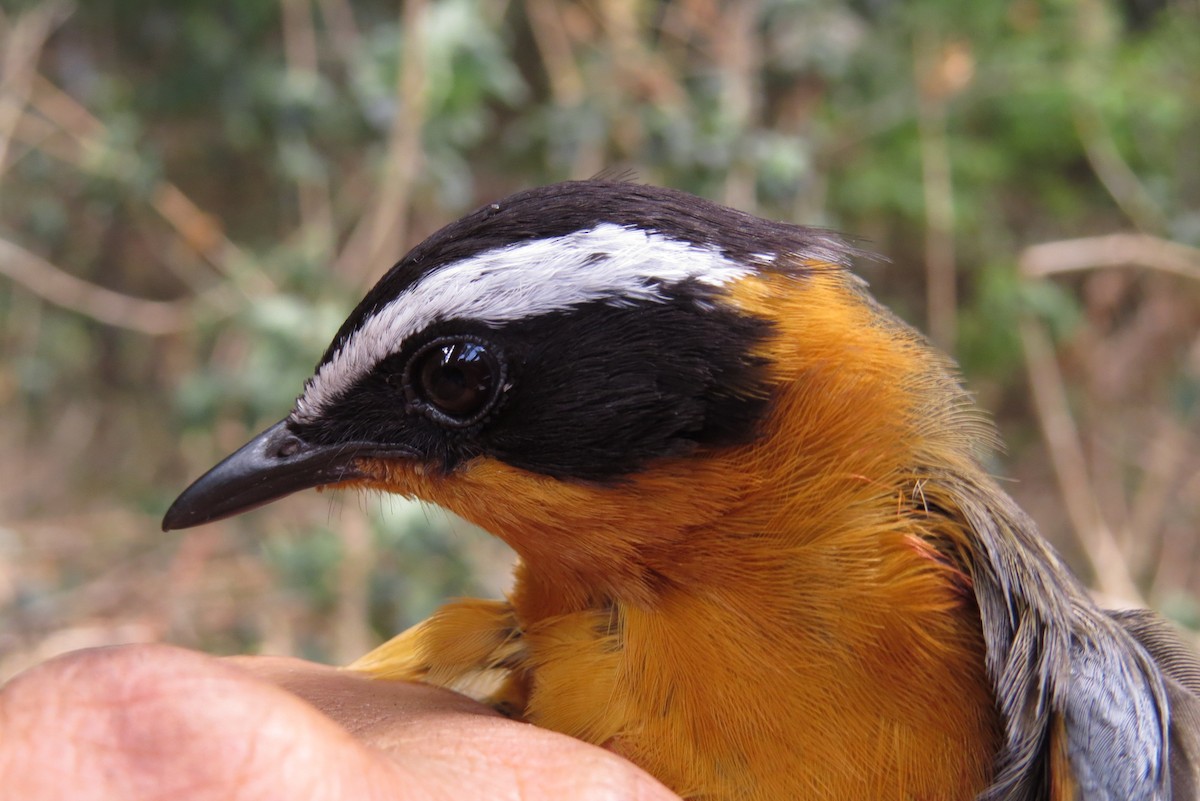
1114,680
1180,667
1116,716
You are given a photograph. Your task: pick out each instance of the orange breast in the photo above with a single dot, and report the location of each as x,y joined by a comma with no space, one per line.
740,691
773,620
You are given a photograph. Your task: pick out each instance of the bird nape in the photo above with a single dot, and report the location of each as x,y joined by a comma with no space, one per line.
759,555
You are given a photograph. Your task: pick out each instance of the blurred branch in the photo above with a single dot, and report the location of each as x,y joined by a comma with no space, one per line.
341,28
638,73
1118,178
739,59
300,53
22,49
1169,447
1112,575
942,70
610,80
377,240
39,276
554,44
352,630
1114,250
1178,564
1094,46
87,149
1165,462
299,36
197,231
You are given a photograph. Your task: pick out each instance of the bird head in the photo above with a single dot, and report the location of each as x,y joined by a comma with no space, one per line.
595,370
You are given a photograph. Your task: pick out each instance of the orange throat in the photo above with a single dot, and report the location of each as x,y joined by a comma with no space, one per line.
788,602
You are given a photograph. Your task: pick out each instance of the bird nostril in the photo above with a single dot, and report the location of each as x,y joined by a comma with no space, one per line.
287,448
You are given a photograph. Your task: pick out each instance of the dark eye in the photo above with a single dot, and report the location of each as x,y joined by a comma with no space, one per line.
456,380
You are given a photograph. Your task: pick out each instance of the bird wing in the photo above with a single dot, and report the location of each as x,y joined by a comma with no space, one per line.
1180,668
1119,687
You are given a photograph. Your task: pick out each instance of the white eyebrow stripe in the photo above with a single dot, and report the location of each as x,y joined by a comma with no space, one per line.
607,262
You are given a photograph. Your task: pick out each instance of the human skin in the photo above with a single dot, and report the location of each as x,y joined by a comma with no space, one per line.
156,722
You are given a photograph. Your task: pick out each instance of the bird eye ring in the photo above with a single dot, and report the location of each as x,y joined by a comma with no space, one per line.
455,381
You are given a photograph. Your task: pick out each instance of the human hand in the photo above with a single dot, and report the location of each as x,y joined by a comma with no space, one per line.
156,722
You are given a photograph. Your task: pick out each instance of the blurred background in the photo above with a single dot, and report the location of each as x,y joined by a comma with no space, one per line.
193,195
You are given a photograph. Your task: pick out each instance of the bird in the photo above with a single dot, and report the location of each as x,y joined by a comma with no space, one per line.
759,552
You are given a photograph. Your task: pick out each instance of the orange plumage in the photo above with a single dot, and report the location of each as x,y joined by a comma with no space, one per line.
834,603
819,521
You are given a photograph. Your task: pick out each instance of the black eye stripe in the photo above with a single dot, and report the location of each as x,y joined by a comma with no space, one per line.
455,380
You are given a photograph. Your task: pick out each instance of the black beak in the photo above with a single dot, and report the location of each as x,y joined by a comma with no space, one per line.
273,464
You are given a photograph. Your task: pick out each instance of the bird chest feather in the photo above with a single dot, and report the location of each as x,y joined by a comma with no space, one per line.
760,555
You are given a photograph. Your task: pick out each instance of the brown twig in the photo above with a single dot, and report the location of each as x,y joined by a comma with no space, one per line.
378,238
352,634
1093,45
1163,466
739,59
313,195
1147,507
942,70
85,148
39,276
299,36
341,28
606,82
1178,565
1118,178
1070,466
22,49
1114,250
554,45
